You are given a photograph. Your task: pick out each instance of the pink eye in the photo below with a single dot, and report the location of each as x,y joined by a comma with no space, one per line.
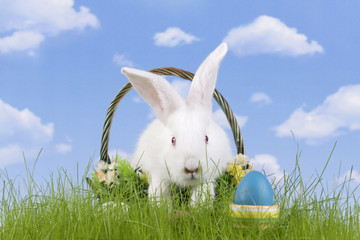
206,139
173,141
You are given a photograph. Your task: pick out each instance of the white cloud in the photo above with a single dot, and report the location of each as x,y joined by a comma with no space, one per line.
63,148
121,153
172,37
220,118
19,41
14,122
151,116
137,99
26,23
339,111
122,61
261,98
269,35
10,154
268,164
181,86
351,175
21,131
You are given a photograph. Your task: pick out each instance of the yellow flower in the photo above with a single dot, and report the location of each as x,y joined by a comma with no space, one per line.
237,172
145,176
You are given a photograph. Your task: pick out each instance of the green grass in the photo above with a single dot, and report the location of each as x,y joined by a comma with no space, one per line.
64,208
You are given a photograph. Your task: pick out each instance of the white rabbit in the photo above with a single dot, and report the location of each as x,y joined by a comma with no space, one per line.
183,145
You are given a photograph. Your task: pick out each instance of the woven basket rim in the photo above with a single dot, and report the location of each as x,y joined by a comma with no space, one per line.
169,71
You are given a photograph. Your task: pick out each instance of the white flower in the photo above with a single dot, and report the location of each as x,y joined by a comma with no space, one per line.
111,166
241,160
100,175
106,172
110,176
104,165
101,165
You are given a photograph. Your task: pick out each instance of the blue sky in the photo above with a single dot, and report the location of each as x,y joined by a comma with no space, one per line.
292,66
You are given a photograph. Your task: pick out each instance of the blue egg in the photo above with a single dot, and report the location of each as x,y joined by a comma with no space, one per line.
254,189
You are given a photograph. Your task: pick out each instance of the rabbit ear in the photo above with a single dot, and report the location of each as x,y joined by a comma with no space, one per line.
156,90
203,84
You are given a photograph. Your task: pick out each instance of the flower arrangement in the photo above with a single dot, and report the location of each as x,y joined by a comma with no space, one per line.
118,178
239,168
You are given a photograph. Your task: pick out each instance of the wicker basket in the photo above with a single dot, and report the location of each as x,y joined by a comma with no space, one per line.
233,170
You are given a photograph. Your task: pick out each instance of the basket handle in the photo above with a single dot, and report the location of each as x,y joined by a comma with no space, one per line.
170,72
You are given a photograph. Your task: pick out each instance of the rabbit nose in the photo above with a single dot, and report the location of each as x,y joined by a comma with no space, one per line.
191,171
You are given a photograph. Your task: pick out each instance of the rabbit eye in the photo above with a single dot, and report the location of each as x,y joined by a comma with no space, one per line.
173,141
206,139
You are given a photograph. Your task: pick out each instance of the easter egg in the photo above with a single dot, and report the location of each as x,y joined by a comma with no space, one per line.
253,202
254,189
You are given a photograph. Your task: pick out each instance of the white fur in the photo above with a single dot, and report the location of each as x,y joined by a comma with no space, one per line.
189,122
